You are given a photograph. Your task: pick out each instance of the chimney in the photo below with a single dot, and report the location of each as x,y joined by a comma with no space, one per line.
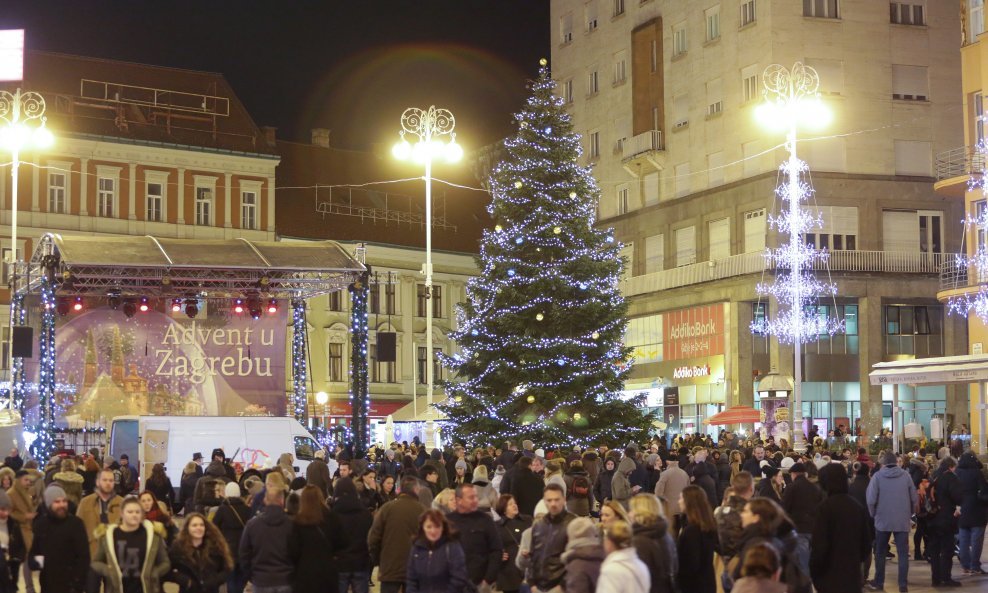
269,134
320,137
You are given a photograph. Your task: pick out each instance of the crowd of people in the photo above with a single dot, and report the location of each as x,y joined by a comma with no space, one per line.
701,516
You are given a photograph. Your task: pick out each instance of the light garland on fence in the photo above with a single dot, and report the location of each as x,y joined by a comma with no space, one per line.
300,372
359,398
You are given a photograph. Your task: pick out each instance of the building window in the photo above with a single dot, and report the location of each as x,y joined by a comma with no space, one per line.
248,210
618,7
680,111
568,91
747,12
715,168
590,10
381,372
421,300
204,206
5,348
620,67
56,193
685,246
715,97
106,196
824,9
566,28
913,158
749,83
155,198
593,82
336,301
336,362
682,179
910,83
754,230
654,254
907,14
382,299
979,116
623,202
914,329
976,24
594,145
713,23
437,369
845,342
679,39
759,339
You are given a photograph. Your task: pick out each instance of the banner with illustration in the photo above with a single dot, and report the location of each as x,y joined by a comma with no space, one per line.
107,365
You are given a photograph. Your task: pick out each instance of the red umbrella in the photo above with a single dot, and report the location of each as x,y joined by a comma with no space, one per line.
736,415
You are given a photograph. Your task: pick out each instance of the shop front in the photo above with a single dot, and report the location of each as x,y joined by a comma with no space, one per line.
679,363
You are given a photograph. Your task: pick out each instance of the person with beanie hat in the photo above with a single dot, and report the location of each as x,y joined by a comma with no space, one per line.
231,517
891,498
13,544
460,476
317,474
60,549
583,556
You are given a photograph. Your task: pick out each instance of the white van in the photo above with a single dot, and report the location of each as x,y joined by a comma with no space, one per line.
255,442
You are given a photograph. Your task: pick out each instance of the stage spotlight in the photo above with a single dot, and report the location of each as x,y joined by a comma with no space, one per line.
144,306
176,305
63,305
254,306
191,308
114,301
77,304
272,306
129,308
238,306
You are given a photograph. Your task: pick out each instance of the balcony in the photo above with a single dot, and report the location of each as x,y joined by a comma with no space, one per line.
644,148
959,278
955,168
892,262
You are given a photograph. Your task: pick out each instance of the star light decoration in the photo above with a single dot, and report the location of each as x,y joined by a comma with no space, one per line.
976,263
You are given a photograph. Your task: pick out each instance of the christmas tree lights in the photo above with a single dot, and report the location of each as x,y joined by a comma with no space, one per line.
541,334
300,372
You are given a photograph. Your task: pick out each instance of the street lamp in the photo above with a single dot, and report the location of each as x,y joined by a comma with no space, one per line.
322,398
792,101
17,111
428,125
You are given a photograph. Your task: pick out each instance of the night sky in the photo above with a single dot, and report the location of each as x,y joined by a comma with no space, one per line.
349,65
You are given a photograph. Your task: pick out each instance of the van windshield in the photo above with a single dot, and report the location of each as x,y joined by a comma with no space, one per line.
123,439
305,448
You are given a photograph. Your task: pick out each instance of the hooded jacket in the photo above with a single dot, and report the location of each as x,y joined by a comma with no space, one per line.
623,572
728,518
231,518
602,485
510,577
436,569
621,483
801,500
481,543
892,499
548,544
156,563
263,555
583,558
356,520
390,536
974,513
657,550
71,482
672,481
65,548
89,511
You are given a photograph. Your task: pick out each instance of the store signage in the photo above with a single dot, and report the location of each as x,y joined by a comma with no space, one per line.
693,333
688,372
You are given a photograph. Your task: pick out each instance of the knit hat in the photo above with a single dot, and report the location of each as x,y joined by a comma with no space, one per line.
460,464
768,470
797,468
480,474
787,463
499,471
53,493
108,460
4,501
581,527
540,453
232,490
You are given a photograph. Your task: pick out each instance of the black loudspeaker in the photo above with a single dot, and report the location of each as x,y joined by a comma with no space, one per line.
23,342
387,343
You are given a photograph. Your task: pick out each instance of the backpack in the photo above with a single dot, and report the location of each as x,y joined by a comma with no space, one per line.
796,580
930,506
581,487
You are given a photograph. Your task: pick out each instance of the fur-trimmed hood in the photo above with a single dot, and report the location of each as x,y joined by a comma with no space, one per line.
68,477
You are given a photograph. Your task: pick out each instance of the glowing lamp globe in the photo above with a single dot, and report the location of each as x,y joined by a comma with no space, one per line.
402,150
453,152
321,398
43,138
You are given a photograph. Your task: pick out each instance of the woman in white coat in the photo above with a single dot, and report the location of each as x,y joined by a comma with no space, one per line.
622,570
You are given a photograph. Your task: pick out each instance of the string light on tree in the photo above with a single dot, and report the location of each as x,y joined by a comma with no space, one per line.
44,443
359,396
299,361
544,260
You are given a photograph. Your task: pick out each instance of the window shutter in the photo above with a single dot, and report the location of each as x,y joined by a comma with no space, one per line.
686,246
900,231
720,239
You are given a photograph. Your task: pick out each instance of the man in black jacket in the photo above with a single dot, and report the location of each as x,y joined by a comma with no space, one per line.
479,537
526,487
264,545
948,494
801,500
549,540
61,547
507,456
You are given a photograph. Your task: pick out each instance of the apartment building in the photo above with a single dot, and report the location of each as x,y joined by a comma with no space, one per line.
664,93
139,150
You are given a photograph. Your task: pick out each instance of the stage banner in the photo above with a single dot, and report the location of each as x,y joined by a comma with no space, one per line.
164,364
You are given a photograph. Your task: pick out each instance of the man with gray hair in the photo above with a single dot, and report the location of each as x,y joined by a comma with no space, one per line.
892,500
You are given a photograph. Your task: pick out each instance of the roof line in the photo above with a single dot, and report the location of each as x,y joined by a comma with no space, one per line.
119,61
174,145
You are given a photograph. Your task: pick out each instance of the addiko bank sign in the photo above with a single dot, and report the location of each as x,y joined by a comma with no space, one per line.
684,346
696,332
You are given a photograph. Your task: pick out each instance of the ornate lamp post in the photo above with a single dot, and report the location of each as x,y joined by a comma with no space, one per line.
791,101
428,125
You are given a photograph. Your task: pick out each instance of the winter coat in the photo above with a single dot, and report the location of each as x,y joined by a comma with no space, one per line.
766,489
602,485
949,494
705,476
656,548
974,513
696,560
591,465
71,482
578,504
387,467
10,562
439,569
671,484
918,470
231,518
313,550
317,474
623,572
263,550
621,482
728,518
390,537
723,477
23,503
583,560
356,520
486,495
892,499
155,563
89,481
841,542
65,548
481,543
186,491
163,491
548,544
197,573
801,501
527,490
509,577
757,585
89,512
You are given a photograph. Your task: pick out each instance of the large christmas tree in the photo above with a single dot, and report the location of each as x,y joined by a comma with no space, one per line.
541,333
